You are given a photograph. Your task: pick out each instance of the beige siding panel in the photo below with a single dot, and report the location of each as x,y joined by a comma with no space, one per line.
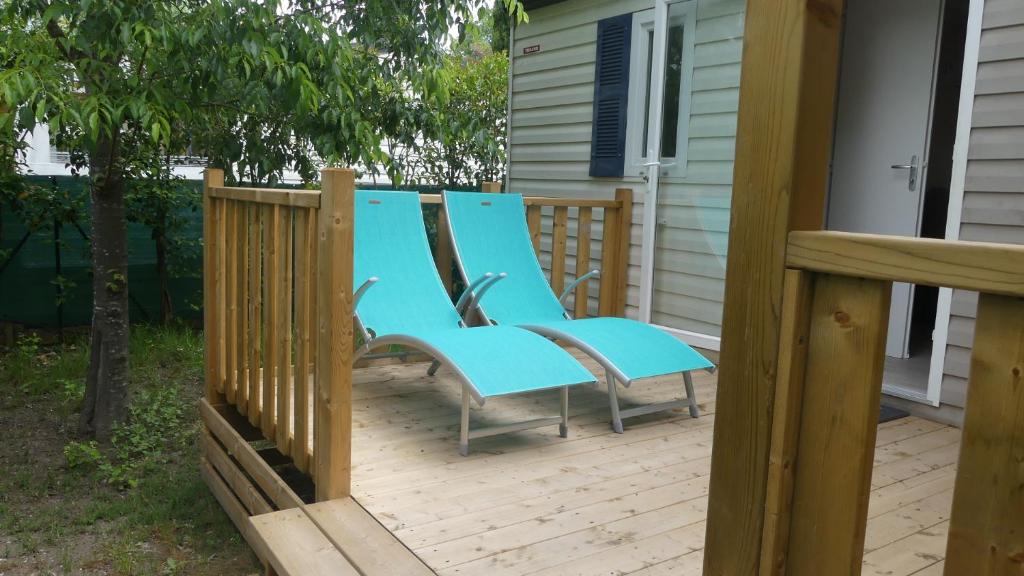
958,361
713,126
727,27
720,149
998,110
557,40
551,152
999,13
577,94
964,303
716,8
715,101
1000,77
552,134
954,390
995,176
997,208
991,233
1002,44
564,15
961,331
997,143
551,116
554,59
718,52
716,77
548,79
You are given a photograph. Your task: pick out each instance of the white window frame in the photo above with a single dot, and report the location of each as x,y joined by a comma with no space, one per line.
643,25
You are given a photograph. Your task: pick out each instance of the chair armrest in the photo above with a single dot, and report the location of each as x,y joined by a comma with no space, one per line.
484,287
362,290
568,289
468,292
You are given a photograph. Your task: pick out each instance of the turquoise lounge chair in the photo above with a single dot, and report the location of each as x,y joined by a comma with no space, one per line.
399,299
489,233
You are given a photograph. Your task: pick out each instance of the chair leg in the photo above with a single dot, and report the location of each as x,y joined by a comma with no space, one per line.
688,381
613,400
434,365
563,428
464,424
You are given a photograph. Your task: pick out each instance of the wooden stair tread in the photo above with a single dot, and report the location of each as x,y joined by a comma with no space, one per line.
367,544
337,537
291,543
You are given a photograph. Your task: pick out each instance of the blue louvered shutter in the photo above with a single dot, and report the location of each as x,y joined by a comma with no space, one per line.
611,90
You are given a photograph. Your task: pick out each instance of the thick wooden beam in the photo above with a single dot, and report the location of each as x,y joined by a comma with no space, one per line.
784,130
986,531
333,425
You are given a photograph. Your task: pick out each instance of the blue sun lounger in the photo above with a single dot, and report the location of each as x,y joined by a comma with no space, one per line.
399,299
489,233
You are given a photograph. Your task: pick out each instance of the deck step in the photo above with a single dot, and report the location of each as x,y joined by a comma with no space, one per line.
337,537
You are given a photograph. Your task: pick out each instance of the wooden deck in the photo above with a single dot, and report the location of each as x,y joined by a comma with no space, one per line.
598,502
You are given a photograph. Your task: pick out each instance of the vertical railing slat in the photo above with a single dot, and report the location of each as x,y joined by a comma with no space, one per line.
443,251
271,248
255,234
230,300
305,237
284,332
559,233
242,304
583,223
987,520
609,261
835,443
533,223
624,197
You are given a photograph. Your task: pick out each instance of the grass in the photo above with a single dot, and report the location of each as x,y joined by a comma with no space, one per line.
137,506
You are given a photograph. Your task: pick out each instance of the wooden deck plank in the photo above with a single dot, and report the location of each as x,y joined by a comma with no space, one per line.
293,544
365,542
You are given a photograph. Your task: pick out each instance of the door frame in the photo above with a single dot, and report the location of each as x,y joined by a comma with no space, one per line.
958,179
653,176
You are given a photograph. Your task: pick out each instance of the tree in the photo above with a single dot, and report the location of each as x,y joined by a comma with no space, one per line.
257,86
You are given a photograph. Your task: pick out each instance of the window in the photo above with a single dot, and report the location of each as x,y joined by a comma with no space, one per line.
678,81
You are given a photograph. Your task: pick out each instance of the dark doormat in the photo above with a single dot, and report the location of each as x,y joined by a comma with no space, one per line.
889,413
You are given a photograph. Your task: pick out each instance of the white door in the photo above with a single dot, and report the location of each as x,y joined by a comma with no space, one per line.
882,124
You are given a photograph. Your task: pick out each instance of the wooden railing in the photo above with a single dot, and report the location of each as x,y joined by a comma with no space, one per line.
831,356
277,284
278,313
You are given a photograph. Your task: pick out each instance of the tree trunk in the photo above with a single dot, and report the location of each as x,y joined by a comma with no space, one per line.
106,391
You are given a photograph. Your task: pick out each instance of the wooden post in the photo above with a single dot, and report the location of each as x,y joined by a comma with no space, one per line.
987,525
333,424
784,130
491,187
212,178
624,196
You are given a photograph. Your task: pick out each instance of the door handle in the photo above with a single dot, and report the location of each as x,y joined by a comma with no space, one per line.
912,175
